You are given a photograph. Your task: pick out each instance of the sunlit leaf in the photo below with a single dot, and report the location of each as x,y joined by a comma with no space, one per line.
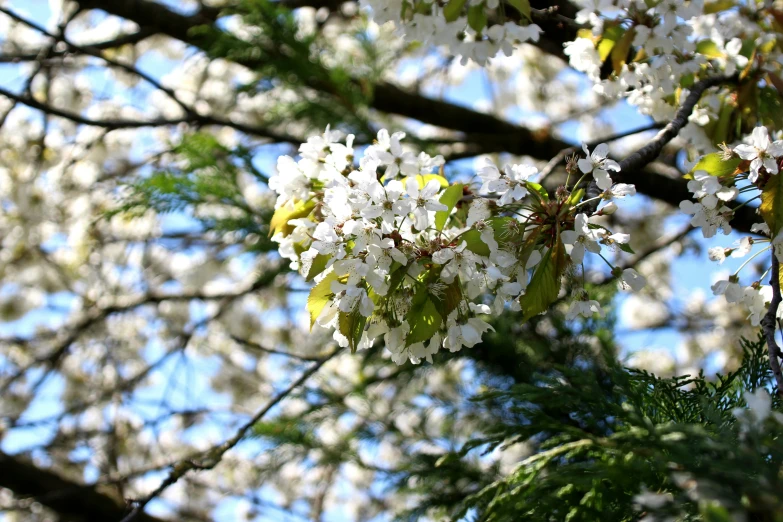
709,49
716,6
621,49
423,318
576,196
544,285
449,198
310,267
423,179
319,296
538,189
281,217
714,165
612,34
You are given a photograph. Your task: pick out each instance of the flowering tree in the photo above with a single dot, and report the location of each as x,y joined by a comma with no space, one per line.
262,259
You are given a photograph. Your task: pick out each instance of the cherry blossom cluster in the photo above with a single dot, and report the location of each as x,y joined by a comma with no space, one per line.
747,169
657,50
468,32
396,251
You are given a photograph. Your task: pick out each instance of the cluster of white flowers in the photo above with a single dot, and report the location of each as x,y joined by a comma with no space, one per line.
658,49
465,34
716,180
419,261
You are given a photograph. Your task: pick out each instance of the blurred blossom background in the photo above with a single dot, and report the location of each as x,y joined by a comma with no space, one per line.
135,336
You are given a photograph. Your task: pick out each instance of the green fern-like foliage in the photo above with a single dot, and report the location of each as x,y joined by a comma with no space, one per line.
206,187
618,444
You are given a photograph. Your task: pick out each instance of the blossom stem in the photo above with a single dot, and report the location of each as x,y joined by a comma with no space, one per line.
606,260
751,258
745,203
585,202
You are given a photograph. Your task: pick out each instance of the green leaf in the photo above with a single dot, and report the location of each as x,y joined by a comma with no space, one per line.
309,268
716,6
720,133
281,217
474,243
576,196
770,107
449,198
450,299
319,296
523,6
714,165
709,49
351,325
621,49
625,247
544,285
771,208
423,318
397,275
611,36
712,511
477,17
473,237
538,189
453,9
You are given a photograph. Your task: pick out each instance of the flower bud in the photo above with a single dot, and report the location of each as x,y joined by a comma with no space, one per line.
608,209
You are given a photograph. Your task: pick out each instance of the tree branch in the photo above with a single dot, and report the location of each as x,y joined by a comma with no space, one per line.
649,152
387,97
70,499
212,457
769,322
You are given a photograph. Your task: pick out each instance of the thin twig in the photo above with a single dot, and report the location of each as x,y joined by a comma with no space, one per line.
554,162
212,458
652,150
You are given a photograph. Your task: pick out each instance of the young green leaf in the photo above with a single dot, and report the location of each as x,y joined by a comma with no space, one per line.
423,318
449,198
311,267
453,9
714,165
621,49
319,296
612,34
281,217
544,285
576,196
351,325
538,189
709,49
477,17
523,6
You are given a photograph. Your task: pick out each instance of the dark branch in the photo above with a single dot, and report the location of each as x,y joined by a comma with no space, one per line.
73,501
649,152
769,322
